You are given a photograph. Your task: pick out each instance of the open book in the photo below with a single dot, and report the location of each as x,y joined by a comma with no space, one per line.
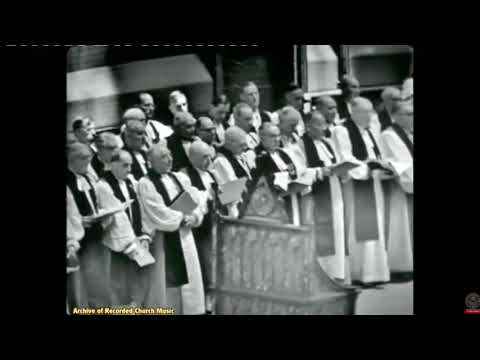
343,168
104,213
283,181
232,191
184,204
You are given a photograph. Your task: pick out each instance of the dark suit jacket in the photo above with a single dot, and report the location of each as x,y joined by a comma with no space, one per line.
342,108
180,158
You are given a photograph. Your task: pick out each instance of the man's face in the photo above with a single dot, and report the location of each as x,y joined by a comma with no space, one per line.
187,128
271,139
362,116
162,162
148,106
295,99
135,138
105,153
79,163
206,131
180,104
329,110
220,113
122,168
202,161
392,101
239,146
251,96
86,134
405,118
245,120
317,127
352,89
289,125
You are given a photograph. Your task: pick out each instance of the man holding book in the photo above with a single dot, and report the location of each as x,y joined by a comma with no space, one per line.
205,180
123,233
327,191
232,164
175,278
396,144
363,195
93,256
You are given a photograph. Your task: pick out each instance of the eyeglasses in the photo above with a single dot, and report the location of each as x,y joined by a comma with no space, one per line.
208,129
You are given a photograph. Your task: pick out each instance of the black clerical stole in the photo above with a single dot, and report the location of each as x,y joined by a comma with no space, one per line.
137,171
94,232
98,166
323,200
366,222
80,196
237,168
156,140
404,137
175,266
136,218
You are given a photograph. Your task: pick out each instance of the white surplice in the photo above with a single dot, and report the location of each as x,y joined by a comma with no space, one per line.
367,259
336,266
157,219
117,229
400,236
222,167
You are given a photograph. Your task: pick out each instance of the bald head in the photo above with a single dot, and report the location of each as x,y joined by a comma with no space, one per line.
200,155
243,115
134,114
235,140
289,118
362,111
350,86
327,106
79,156
270,136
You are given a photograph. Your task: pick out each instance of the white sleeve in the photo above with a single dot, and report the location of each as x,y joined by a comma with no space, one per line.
196,196
393,151
75,230
118,231
155,214
343,147
224,170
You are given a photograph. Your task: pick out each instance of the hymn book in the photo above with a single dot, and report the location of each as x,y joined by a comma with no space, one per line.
232,191
104,213
343,168
184,203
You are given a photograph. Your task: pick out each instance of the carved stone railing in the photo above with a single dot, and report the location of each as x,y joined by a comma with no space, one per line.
267,266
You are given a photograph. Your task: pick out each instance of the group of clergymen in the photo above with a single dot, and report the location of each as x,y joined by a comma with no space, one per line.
152,163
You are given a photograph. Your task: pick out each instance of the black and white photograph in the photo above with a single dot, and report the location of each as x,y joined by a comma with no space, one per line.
239,180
